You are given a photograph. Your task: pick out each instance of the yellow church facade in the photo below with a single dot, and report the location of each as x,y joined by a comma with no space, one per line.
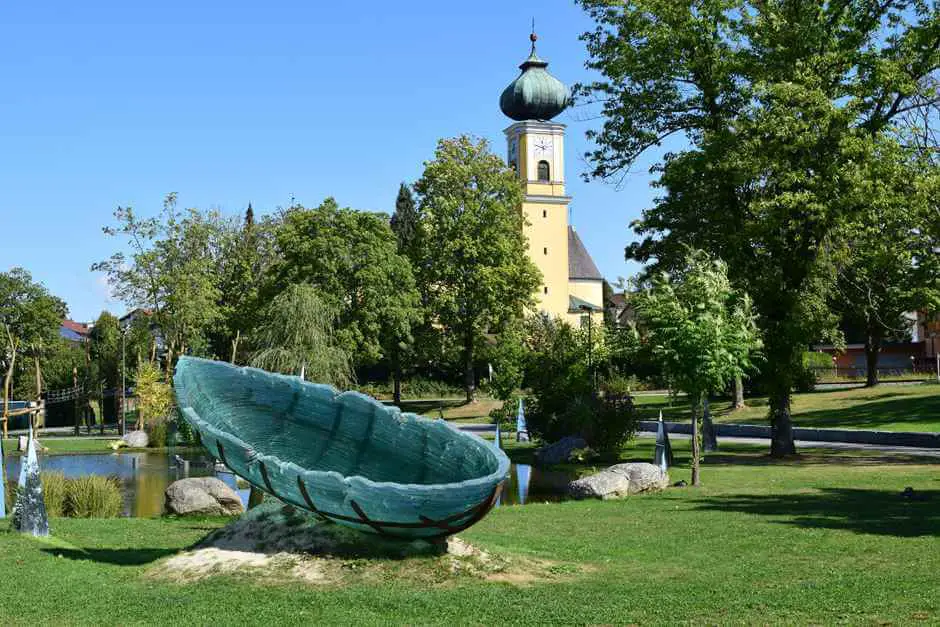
572,286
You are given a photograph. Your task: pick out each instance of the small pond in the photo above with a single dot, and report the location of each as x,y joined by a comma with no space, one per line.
145,476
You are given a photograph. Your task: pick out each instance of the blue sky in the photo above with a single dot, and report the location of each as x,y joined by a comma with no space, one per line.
118,103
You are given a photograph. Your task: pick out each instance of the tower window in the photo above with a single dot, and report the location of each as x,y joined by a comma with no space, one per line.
546,289
543,171
545,251
544,213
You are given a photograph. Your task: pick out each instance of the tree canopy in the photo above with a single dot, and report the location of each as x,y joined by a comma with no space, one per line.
351,257
785,106
473,266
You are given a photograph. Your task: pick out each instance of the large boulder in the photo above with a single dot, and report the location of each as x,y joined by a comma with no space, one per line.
603,485
559,451
206,496
136,439
619,481
643,477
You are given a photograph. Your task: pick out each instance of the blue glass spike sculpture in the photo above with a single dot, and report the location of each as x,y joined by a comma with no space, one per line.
522,431
523,476
663,455
709,435
29,512
341,455
498,440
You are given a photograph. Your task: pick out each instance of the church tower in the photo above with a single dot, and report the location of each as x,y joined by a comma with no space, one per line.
571,283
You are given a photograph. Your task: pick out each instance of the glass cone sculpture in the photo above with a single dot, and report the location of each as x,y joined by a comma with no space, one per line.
522,431
663,455
341,455
709,435
29,512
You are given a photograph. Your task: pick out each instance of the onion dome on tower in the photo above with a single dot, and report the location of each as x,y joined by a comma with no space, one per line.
535,94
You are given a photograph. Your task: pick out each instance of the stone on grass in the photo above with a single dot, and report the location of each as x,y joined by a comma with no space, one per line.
136,439
603,485
619,481
643,477
559,451
204,496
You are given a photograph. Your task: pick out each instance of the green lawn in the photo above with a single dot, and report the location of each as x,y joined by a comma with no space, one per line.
822,539
887,408
457,410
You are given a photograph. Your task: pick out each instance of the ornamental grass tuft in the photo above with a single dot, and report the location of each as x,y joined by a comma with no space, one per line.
94,496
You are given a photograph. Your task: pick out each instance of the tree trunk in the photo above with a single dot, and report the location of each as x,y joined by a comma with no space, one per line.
781,426
738,393
872,350
468,376
696,452
396,375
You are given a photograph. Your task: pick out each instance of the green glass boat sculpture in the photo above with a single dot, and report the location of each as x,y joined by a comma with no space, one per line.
341,455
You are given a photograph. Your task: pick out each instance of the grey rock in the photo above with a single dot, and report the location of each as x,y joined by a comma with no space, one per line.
136,439
643,477
603,485
558,452
206,496
619,481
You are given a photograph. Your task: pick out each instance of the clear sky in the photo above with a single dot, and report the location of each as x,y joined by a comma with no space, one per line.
106,103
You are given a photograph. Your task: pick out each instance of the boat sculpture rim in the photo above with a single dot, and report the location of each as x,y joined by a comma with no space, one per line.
255,455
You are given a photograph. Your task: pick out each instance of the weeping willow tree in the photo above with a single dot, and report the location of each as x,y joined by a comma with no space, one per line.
296,336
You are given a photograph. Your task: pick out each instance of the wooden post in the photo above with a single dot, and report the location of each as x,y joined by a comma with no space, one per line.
7,380
35,418
75,403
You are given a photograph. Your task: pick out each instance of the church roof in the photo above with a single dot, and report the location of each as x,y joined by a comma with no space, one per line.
535,94
580,264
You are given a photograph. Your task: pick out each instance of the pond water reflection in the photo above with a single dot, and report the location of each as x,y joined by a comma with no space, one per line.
145,477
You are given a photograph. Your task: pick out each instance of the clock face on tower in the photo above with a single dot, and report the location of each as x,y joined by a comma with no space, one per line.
543,145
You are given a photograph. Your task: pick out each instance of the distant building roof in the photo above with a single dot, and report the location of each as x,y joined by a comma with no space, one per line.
577,305
580,264
618,300
133,313
74,331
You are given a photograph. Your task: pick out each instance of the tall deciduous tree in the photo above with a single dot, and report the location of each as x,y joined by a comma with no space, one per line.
473,263
172,270
297,336
351,258
783,103
701,330
885,256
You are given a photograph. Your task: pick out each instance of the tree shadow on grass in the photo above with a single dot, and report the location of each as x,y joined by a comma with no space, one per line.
118,557
878,512
889,407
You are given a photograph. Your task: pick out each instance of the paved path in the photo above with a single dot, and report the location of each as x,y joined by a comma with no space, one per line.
800,444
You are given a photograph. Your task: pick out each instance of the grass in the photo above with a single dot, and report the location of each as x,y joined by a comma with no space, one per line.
457,410
824,538
67,445
885,408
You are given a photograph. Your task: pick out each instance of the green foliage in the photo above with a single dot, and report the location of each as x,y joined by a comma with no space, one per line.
351,258
154,398
785,107
405,222
55,490
105,351
700,329
414,387
297,336
507,355
88,496
172,270
472,268
94,496
564,401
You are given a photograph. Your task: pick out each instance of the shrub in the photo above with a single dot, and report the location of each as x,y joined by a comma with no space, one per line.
55,489
154,396
157,432
564,400
94,496
815,364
